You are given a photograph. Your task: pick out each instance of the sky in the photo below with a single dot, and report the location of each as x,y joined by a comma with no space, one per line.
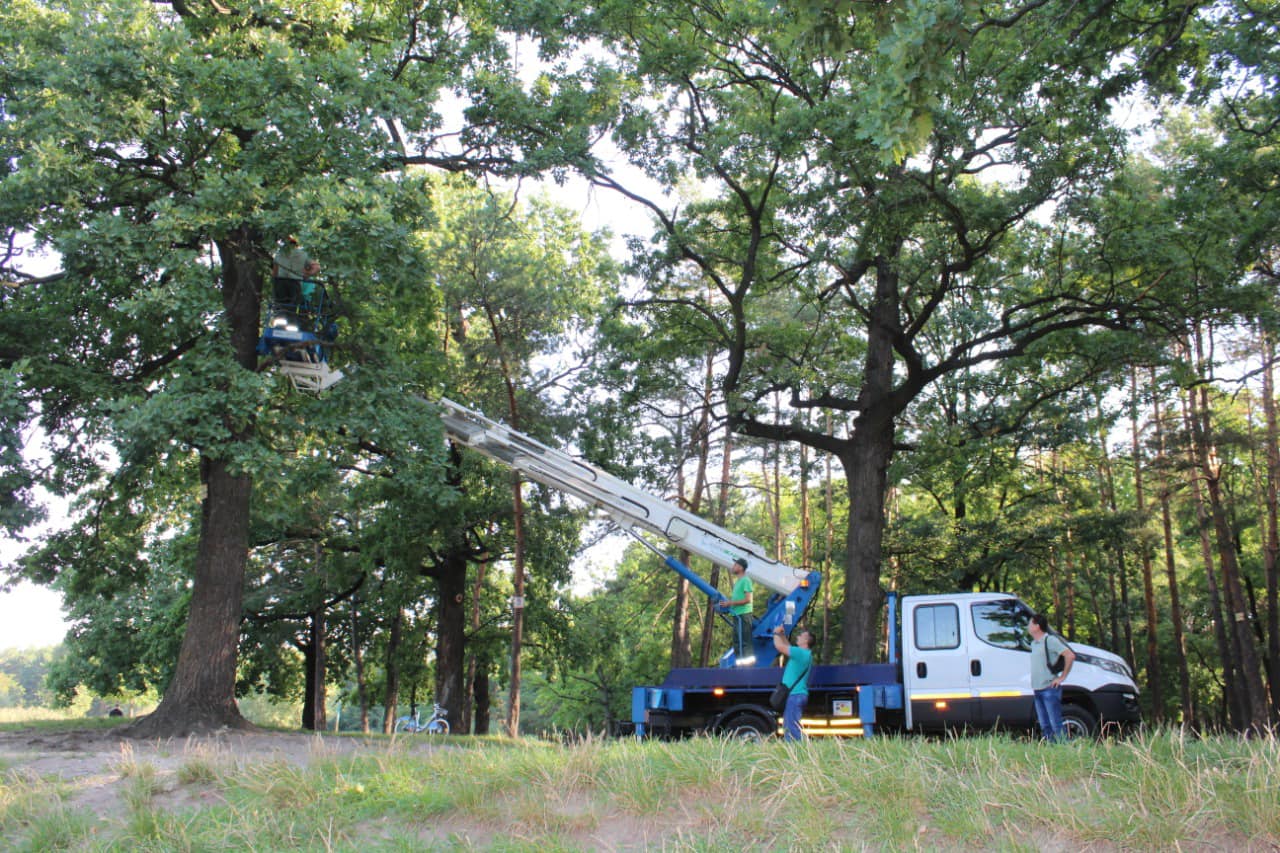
31,618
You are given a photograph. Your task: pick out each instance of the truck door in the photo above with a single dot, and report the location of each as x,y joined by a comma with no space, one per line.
1000,663
936,668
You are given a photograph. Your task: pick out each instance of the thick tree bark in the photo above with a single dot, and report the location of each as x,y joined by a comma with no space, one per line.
451,630
866,467
313,710
201,695
866,457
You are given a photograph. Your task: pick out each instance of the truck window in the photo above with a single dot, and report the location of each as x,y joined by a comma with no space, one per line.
1002,624
937,626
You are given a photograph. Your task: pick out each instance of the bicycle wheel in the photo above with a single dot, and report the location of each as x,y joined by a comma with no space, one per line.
404,724
438,727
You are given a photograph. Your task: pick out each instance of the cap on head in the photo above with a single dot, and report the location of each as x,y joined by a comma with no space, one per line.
741,562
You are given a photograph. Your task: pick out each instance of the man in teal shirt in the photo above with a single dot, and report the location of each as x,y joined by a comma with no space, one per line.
739,606
796,676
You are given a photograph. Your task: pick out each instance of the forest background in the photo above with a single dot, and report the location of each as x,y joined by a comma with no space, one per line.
909,300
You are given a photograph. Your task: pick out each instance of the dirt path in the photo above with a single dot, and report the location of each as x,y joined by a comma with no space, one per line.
94,764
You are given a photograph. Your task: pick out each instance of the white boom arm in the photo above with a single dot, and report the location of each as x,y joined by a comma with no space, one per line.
624,503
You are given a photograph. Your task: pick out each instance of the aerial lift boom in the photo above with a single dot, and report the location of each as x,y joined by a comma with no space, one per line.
636,511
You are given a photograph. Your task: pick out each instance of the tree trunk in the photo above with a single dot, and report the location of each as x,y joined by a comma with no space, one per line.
467,717
313,710
390,698
1231,694
1154,682
1271,551
1170,562
700,443
722,511
483,699
866,467
681,651
357,657
451,629
773,493
828,503
201,695
806,520
517,605
1107,475
1255,707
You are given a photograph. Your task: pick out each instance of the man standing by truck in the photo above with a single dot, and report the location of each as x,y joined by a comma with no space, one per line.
739,606
1045,681
796,676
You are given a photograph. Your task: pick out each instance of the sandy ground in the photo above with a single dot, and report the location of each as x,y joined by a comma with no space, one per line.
96,766
93,763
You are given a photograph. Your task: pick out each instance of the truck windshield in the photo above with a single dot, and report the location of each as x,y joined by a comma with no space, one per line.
1002,623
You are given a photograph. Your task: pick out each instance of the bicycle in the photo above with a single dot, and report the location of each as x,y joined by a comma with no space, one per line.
436,724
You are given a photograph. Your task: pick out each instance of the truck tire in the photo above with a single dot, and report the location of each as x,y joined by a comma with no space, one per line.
747,726
1078,722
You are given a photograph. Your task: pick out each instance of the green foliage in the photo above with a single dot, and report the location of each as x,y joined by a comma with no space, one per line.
614,639
22,677
917,216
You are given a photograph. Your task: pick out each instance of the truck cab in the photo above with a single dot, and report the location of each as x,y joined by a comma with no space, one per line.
966,664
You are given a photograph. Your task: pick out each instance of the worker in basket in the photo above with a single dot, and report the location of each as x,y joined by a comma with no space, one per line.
295,292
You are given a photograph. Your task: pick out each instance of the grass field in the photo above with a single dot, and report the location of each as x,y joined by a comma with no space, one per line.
1156,791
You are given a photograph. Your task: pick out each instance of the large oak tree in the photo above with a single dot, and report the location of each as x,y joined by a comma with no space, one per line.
863,169
159,152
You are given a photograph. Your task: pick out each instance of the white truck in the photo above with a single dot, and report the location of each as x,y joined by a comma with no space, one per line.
961,661
955,661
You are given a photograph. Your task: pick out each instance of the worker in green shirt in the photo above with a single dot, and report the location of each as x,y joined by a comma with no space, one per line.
739,606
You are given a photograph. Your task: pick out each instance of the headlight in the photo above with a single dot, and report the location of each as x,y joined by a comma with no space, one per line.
1109,665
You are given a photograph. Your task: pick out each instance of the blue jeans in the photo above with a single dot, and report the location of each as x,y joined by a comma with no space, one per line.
742,645
791,716
1049,713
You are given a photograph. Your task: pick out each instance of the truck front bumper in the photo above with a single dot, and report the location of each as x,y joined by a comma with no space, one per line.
1117,705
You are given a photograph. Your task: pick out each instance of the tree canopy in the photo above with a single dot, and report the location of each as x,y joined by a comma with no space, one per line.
907,258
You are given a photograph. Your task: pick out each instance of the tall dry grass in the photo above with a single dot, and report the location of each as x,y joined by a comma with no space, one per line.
1155,791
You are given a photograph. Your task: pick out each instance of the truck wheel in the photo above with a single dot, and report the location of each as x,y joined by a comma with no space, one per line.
747,727
1078,722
